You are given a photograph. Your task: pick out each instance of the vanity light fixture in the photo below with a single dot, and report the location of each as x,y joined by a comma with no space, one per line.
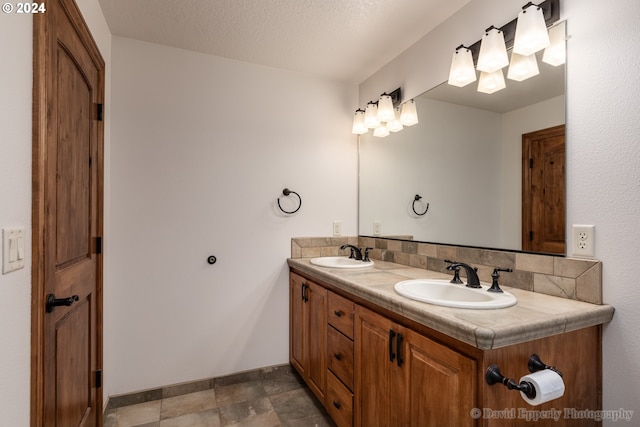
358,123
493,51
371,115
385,108
462,71
409,114
395,125
491,82
556,53
531,31
522,67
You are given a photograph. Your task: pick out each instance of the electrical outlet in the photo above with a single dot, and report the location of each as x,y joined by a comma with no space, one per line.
584,243
337,228
377,228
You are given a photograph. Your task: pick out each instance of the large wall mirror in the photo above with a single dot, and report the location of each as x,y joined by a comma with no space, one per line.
465,159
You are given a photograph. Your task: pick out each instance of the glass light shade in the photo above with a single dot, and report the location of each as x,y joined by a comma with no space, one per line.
493,52
556,53
409,114
385,108
522,67
381,131
531,32
395,125
358,123
491,82
371,116
462,71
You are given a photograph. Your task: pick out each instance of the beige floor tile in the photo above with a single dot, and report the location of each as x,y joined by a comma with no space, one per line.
187,403
209,418
135,415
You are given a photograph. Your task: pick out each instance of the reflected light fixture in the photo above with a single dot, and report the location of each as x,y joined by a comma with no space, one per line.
493,51
462,71
371,116
381,131
556,53
385,108
531,31
491,82
409,114
395,125
522,67
358,123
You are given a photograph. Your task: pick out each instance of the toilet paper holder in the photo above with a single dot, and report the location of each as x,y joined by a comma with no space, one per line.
494,376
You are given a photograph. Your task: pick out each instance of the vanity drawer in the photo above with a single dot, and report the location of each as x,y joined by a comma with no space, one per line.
340,356
340,314
339,402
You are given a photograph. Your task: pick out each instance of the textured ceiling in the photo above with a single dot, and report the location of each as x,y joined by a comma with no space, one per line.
340,39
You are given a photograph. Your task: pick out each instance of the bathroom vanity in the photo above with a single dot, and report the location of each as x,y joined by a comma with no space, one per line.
375,358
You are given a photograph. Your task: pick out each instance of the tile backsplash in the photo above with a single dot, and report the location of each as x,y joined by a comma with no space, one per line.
572,278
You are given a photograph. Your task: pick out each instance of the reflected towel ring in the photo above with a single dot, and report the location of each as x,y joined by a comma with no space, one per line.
286,192
413,205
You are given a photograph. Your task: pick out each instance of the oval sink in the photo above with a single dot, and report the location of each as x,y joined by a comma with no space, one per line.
442,292
340,262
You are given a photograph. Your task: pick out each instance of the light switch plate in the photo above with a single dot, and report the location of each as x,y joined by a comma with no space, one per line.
13,250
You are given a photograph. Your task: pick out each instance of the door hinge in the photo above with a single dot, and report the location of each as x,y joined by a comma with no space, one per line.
530,163
98,245
531,235
99,112
98,378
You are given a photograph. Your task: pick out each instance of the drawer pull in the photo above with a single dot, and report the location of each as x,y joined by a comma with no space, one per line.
337,404
338,356
392,355
338,313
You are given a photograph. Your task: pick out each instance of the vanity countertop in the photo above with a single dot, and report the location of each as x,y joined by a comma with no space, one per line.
534,316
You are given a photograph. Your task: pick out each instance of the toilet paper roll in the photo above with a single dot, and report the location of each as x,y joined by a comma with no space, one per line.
548,385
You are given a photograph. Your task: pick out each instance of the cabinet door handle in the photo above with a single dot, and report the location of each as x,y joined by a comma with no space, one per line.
399,359
338,313
304,292
392,355
337,404
338,356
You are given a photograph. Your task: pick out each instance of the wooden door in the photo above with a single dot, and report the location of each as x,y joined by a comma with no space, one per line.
376,373
317,338
543,191
441,389
67,220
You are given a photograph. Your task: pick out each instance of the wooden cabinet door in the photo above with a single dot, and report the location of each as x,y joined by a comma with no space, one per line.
376,371
441,384
297,334
308,332
316,311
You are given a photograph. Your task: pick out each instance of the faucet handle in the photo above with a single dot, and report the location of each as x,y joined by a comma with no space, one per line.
365,258
495,287
456,272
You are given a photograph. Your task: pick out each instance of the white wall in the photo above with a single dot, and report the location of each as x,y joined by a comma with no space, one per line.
603,160
15,193
202,148
16,51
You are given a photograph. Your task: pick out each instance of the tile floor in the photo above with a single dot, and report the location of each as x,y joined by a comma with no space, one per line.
267,398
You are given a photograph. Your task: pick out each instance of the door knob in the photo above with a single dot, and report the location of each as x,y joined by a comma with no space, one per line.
53,302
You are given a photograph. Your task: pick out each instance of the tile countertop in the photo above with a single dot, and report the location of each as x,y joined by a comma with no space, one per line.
534,316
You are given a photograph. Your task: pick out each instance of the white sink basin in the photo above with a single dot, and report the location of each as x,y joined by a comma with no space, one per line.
442,292
339,262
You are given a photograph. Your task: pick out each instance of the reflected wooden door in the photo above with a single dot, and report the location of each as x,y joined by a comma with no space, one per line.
68,180
543,191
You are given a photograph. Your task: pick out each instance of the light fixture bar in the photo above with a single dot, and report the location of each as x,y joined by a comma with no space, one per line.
551,13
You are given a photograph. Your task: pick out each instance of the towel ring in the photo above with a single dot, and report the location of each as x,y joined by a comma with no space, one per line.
287,192
413,205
